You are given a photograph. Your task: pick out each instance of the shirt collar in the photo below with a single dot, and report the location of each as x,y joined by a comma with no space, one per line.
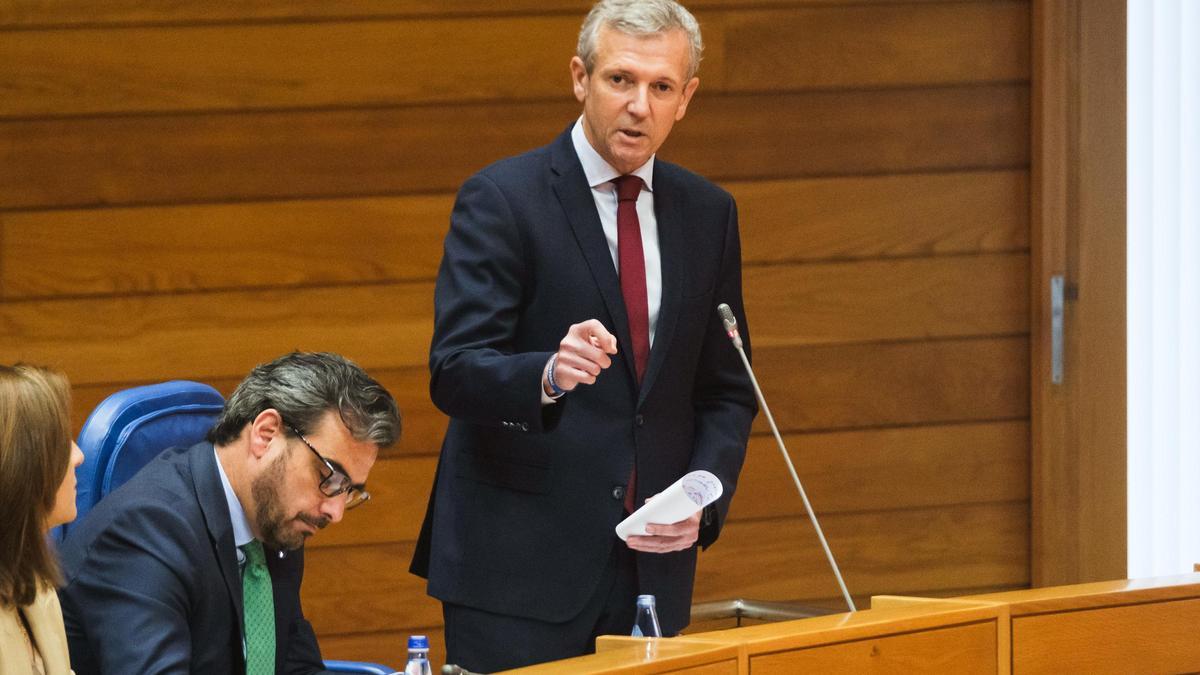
597,170
241,525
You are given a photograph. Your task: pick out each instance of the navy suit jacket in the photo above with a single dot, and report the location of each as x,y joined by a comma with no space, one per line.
152,581
526,497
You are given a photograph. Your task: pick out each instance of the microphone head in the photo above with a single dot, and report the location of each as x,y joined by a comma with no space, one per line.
727,317
730,322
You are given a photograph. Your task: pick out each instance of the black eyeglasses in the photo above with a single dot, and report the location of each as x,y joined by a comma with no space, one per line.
337,482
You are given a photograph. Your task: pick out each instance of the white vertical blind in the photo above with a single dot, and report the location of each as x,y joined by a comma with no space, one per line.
1164,286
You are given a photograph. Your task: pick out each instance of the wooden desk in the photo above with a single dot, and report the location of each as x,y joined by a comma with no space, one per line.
910,635
641,656
1131,626
1135,626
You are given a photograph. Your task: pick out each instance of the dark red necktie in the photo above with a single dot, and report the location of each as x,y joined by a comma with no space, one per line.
631,261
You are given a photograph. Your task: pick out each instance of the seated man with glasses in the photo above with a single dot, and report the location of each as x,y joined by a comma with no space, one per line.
195,564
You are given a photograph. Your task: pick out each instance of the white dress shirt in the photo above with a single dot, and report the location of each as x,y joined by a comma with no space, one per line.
604,192
237,515
599,175
241,526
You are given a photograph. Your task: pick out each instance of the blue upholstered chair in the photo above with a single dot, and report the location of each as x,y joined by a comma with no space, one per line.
133,426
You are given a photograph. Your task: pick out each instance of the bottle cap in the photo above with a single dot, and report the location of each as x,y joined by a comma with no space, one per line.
418,642
643,600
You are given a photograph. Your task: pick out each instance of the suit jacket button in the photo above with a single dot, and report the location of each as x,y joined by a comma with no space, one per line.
639,420
618,493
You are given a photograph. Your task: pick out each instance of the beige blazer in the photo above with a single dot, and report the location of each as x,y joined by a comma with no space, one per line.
46,624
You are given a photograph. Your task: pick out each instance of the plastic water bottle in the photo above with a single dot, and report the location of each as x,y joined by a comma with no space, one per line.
646,622
418,656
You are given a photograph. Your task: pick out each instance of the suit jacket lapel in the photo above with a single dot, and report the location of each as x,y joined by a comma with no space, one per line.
575,195
211,496
668,212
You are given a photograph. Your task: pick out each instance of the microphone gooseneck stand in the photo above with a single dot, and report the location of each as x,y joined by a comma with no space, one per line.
730,323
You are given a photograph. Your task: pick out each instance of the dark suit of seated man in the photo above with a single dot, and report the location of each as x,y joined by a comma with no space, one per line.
166,574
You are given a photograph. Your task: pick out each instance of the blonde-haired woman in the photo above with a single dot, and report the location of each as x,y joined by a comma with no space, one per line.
37,492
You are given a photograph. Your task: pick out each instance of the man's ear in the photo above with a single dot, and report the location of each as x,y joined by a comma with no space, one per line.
579,78
265,427
688,90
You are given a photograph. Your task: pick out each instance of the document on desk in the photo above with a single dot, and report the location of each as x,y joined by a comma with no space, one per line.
683,498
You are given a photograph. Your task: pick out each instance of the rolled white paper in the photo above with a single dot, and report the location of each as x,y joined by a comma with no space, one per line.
684,497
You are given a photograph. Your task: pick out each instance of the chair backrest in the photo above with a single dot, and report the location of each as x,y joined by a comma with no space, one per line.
133,426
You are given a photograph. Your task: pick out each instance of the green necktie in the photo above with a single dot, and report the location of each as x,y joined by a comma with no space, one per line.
259,604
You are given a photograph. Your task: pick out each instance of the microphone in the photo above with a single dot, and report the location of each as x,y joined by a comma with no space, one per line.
730,323
451,669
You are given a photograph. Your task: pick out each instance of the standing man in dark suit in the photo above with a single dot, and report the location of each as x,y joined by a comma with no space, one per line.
578,351
194,565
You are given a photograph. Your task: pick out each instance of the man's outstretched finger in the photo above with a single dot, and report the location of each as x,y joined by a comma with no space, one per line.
598,336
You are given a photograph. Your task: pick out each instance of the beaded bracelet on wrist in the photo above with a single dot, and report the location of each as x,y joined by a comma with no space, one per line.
555,390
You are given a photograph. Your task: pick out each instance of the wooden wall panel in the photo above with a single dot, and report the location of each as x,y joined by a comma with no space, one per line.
884,216
851,472
839,133
257,66
887,300
376,577
906,552
222,334
844,387
869,45
222,157
376,239
389,325
62,13
893,384
187,190
879,552
221,246
879,469
281,65
370,151
399,488
819,388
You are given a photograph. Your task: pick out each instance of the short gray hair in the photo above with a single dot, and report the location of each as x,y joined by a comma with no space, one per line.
303,386
639,18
